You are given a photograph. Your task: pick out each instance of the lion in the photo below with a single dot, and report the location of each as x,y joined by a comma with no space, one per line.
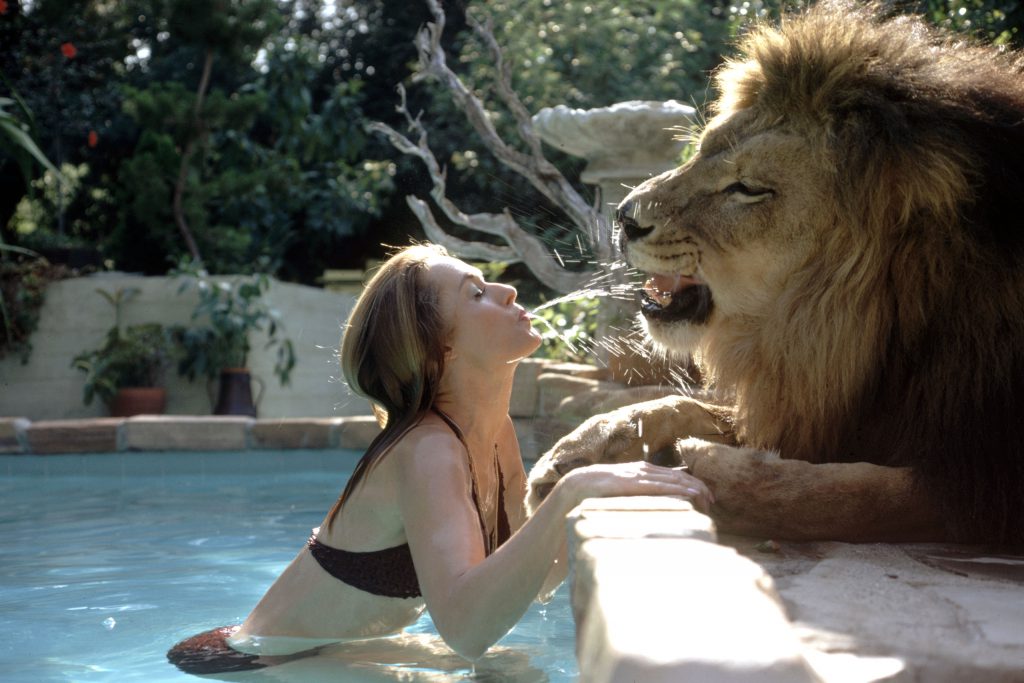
843,258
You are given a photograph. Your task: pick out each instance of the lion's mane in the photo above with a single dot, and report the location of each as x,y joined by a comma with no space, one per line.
902,342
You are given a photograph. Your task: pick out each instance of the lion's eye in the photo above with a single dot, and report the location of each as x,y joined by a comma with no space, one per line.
747,194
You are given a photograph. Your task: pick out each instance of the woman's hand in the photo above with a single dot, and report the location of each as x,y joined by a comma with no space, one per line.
636,479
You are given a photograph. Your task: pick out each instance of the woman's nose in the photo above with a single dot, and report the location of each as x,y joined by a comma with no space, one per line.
510,295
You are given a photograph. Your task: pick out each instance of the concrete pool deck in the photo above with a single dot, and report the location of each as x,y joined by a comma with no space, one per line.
658,596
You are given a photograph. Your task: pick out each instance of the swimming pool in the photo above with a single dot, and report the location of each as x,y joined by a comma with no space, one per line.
108,560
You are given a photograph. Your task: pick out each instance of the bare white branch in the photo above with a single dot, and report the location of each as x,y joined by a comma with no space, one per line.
458,247
533,166
523,246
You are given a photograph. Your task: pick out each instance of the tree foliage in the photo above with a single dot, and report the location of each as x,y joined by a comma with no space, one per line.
595,53
995,21
270,158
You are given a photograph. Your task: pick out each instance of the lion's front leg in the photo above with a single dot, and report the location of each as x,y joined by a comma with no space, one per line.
759,494
630,433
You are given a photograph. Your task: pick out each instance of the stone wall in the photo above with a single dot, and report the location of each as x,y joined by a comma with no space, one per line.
545,400
540,409
76,318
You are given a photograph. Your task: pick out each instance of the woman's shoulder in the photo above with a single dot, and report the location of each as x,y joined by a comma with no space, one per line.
432,441
428,457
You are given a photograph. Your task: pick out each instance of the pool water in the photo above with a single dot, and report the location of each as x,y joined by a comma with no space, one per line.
108,560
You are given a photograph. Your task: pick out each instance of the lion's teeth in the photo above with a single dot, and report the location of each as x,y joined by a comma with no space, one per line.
663,298
654,289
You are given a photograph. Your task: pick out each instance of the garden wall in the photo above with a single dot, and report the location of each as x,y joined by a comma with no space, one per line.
76,318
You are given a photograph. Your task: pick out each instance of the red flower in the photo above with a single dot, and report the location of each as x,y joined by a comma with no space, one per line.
68,50
94,138
3,6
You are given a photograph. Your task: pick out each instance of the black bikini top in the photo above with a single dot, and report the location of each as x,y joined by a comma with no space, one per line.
390,572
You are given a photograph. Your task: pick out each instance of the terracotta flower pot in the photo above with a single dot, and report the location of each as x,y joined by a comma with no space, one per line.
138,401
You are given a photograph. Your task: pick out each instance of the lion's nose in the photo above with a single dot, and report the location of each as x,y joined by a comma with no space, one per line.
631,229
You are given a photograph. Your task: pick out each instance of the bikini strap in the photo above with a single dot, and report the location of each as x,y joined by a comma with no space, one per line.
472,479
451,423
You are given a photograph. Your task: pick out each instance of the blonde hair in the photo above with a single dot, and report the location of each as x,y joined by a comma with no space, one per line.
393,351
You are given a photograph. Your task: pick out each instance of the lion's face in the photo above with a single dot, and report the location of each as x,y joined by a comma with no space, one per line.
721,235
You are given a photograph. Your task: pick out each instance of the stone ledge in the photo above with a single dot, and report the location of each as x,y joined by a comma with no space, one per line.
577,370
876,611
294,433
651,593
656,610
19,436
529,444
554,387
12,434
48,437
186,433
548,430
639,517
357,432
523,402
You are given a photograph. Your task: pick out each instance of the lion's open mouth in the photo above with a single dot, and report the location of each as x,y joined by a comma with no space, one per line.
675,298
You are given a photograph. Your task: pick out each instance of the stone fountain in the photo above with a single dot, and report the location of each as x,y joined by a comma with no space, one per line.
624,144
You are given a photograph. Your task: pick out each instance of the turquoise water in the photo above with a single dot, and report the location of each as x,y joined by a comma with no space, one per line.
108,560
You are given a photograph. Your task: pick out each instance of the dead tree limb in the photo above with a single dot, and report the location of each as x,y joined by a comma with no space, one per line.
522,246
533,167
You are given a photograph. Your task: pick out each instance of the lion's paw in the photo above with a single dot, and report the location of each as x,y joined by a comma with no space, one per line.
597,440
700,455
641,431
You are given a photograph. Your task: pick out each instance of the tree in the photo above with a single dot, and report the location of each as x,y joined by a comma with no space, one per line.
599,52
313,182
64,59
996,21
265,155
277,163
231,30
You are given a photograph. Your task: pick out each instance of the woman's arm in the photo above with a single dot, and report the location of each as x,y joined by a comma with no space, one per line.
475,601
515,504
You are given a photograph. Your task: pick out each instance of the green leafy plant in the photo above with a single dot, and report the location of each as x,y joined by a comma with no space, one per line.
16,139
227,311
569,330
133,356
23,282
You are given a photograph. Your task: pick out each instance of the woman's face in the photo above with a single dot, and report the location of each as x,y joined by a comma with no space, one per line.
485,322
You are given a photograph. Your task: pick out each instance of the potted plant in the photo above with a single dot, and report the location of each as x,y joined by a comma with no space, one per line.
217,344
125,372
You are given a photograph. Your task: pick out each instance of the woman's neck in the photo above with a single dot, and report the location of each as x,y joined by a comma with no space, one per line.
477,401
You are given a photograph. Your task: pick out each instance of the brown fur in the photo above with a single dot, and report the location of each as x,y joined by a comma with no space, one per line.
872,310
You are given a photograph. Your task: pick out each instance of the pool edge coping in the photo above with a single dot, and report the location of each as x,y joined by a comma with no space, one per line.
143,433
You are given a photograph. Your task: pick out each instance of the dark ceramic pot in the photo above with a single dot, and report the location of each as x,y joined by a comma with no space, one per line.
234,394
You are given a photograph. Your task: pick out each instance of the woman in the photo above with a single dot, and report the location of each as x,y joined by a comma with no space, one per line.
433,515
